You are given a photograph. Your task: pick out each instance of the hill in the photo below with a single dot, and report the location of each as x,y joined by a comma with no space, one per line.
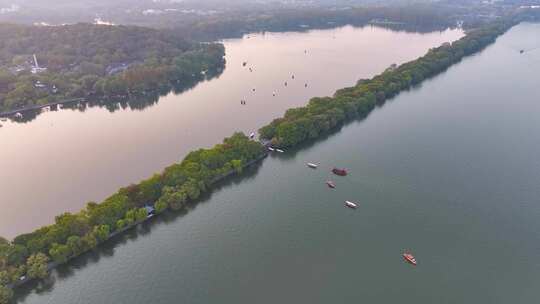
84,60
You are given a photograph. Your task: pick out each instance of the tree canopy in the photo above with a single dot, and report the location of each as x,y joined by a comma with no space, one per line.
86,60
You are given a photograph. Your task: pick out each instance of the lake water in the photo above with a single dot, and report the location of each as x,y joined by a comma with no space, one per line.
449,171
61,160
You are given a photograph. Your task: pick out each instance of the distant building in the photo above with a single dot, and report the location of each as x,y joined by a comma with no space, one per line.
150,210
117,68
40,85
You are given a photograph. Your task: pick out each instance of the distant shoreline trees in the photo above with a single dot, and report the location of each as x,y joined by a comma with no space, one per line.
85,60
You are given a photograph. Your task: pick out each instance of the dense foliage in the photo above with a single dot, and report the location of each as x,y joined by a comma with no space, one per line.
174,188
323,114
95,60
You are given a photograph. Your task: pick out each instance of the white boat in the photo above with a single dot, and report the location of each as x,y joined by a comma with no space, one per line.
351,205
271,149
312,165
280,151
252,135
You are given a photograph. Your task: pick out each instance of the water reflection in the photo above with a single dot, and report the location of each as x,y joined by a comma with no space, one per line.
133,102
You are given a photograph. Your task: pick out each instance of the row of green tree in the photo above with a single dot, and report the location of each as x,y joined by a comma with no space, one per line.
84,60
323,114
72,234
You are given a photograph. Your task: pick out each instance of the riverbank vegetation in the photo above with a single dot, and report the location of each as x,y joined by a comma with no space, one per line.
28,255
323,114
82,60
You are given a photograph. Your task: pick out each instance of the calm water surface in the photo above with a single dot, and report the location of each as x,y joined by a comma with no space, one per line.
449,171
62,160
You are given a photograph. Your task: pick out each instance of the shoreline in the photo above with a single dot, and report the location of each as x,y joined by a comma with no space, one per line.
9,113
53,265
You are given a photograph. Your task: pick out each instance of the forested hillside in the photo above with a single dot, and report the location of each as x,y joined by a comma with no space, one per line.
83,60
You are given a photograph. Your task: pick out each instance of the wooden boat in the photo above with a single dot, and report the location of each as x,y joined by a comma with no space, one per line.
339,171
331,184
409,258
351,205
312,165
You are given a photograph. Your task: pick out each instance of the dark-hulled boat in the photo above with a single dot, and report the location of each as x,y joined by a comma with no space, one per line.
340,171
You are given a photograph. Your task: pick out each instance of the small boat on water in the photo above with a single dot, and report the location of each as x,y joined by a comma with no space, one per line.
244,63
271,149
521,51
252,135
330,184
312,165
280,151
351,205
409,258
340,171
